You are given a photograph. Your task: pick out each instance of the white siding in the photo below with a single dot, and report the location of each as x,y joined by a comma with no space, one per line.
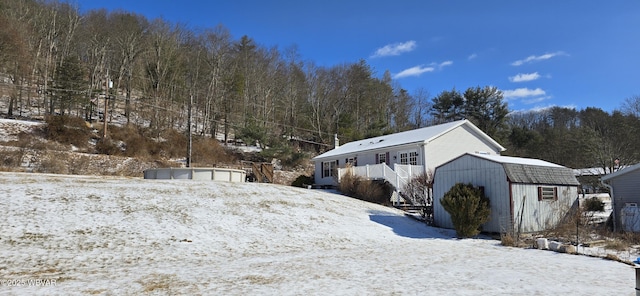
459,140
455,143
536,216
626,189
479,172
539,215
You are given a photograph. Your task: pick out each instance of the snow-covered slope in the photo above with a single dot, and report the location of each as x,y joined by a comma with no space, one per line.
117,236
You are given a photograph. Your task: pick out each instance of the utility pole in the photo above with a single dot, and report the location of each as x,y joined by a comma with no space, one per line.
106,105
189,132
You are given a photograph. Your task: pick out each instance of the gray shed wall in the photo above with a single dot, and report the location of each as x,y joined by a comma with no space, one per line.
626,189
536,216
479,172
539,215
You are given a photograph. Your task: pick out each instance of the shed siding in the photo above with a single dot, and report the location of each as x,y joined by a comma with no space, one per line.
626,189
456,142
479,172
539,215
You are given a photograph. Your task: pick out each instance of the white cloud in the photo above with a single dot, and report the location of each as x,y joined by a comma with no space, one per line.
414,71
523,93
533,58
444,64
395,49
472,56
418,70
524,77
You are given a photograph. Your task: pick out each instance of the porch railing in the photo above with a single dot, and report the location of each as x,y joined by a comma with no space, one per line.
398,177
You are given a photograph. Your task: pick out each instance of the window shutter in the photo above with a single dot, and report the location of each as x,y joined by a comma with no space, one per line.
377,158
322,169
387,160
555,193
539,193
355,161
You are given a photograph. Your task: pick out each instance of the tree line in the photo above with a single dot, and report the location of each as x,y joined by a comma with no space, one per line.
60,60
56,60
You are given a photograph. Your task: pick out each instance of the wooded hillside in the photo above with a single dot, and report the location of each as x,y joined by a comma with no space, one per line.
55,60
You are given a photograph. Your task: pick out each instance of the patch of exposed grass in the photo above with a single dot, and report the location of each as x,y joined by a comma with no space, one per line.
617,245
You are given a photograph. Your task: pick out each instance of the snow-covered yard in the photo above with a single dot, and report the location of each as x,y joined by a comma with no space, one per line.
122,236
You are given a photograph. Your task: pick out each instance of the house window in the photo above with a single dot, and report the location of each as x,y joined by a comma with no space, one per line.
382,158
409,158
327,168
547,193
353,161
404,157
413,158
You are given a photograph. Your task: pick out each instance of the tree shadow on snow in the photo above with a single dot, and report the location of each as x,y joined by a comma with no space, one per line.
408,227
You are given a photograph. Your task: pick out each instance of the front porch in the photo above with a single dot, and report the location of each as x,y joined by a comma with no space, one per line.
398,177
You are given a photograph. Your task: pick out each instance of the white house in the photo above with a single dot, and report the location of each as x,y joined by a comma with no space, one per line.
526,195
397,157
624,188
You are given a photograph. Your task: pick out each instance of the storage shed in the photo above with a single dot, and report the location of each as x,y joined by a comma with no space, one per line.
526,195
624,188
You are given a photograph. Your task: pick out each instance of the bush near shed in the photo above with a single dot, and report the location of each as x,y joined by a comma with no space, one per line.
468,208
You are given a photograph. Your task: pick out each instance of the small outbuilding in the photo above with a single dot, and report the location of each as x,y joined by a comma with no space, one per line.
624,188
526,195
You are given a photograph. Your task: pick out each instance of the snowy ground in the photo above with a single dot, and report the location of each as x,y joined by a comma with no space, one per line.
9,128
117,236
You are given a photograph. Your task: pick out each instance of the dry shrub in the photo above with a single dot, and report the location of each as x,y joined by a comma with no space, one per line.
108,147
79,164
67,130
360,188
208,152
575,225
348,184
417,189
174,144
618,245
32,141
53,163
506,239
11,158
631,238
135,144
612,257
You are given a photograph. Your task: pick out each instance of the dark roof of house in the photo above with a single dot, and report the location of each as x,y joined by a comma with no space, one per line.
533,171
520,173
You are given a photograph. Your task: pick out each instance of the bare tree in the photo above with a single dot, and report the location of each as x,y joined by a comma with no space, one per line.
631,106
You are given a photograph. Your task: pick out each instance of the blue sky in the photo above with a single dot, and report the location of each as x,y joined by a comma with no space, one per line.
539,53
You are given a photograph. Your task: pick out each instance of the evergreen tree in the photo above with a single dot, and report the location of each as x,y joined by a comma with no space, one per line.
68,85
468,208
